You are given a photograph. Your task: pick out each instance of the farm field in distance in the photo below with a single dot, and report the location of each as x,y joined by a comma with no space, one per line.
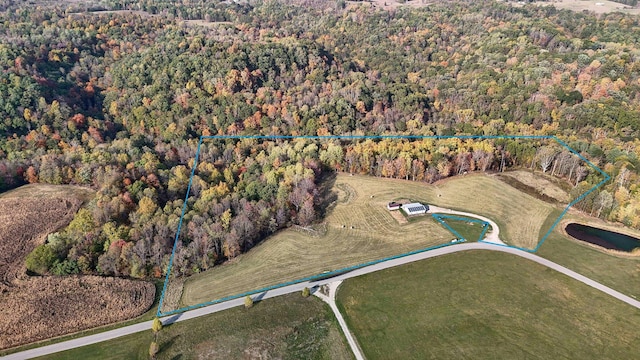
596,6
286,327
360,203
36,308
485,305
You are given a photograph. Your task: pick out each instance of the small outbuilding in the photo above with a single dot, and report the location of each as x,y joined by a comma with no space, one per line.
415,208
393,206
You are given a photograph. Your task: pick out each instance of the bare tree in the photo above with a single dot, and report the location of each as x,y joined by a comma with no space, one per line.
545,156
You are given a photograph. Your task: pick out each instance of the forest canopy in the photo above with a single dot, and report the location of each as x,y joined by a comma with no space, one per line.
117,100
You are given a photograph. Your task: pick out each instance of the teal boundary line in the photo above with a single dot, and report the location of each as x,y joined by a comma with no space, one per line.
309,278
358,137
439,217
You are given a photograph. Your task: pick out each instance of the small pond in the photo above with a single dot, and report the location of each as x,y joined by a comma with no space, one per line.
605,238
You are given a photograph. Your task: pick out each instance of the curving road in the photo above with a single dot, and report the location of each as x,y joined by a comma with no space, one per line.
146,326
492,236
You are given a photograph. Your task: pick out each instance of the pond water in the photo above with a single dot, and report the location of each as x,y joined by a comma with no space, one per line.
605,238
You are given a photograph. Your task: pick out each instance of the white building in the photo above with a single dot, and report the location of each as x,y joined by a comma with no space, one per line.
415,208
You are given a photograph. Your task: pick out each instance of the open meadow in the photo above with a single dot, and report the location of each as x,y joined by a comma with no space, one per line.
358,228
286,327
36,308
485,305
519,216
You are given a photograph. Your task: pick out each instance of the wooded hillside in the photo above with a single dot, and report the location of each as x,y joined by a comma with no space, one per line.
118,100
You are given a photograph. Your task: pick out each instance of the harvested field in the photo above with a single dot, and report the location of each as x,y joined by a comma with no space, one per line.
36,308
44,307
24,224
595,6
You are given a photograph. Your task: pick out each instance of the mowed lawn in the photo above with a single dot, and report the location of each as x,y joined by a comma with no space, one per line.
519,215
469,230
617,271
370,232
291,254
287,327
485,305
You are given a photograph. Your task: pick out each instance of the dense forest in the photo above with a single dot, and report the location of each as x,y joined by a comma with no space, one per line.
117,100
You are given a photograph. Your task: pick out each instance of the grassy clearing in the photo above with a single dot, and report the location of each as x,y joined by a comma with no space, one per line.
360,229
470,231
287,327
485,305
519,215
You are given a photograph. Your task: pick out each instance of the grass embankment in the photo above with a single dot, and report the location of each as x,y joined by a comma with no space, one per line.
485,305
287,327
358,229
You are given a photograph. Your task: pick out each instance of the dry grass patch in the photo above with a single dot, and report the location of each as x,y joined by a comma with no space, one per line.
543,185
36,308
359,229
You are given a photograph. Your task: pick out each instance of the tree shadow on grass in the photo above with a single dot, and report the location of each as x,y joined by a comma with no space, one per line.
327,197
165,345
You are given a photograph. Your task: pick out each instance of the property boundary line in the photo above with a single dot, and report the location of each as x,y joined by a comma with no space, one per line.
439,217
360,137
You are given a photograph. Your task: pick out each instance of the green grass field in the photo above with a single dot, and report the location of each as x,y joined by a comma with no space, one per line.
469,230
485,305
616,271
287,327
361,229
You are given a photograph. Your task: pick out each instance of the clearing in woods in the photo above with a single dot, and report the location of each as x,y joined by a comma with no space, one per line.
359,228
36,308
485,305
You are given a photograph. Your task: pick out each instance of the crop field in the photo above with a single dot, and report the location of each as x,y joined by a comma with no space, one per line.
286,327
485,305
359,228
596,6
35,308
27,215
